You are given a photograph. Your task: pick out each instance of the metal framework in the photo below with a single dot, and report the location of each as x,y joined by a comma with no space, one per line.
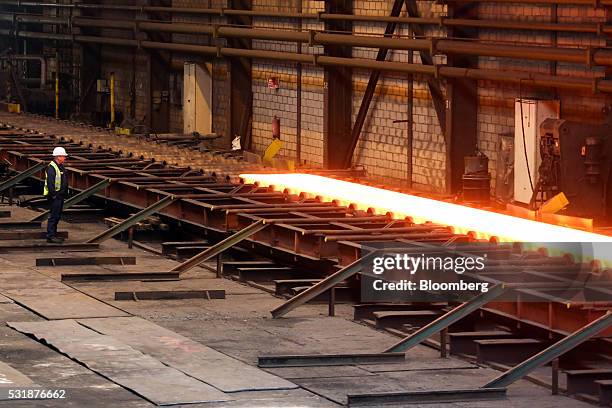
80,197
588,57
447,319
325,238
546,356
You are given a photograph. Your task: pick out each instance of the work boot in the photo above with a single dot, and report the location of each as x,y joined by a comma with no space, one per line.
55,240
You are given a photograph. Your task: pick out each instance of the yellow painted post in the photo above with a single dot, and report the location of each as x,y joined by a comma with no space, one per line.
57,102
271,151
112,100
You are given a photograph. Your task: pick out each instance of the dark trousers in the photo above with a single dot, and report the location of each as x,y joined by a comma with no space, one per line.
56,206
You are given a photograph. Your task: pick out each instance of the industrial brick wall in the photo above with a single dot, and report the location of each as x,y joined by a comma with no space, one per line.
282,102
114,63
383,147
384,141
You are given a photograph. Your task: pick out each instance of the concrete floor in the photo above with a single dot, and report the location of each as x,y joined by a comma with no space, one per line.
239,326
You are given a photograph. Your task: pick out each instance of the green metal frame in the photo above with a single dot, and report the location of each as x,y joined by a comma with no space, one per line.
326,284
21,176
133,220
83,195
220,247
545,356
447,319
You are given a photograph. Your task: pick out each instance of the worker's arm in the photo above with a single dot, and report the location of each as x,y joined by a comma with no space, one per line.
51,181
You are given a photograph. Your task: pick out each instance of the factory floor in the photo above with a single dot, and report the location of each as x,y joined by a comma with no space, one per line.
239,327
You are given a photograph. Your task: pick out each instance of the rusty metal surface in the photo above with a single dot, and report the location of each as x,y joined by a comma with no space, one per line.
321,236
195,359
122,364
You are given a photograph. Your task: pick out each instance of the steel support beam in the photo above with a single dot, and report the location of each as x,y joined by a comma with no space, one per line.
559,348
133,220
338,89
447,319
220,247
461,129
171,295
314,360
39,247
90,67
326,284
83,195
97,260
425,397
22,176
240,80
117,276
20,225
371,88
159,65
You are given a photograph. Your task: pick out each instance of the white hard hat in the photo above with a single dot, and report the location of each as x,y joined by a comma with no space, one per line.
59,151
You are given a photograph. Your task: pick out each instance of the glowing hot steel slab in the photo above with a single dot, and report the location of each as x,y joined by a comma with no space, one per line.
485,224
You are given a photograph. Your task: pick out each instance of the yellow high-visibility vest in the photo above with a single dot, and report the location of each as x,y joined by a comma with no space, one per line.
58,179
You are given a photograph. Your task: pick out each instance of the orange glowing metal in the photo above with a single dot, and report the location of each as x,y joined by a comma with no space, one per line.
484,224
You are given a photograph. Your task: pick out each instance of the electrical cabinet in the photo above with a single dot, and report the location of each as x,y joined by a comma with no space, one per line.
527,143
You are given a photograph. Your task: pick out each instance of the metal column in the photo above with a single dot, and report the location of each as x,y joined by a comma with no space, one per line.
240,77
159,64
462,103
338,99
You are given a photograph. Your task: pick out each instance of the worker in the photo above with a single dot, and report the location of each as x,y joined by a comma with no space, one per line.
56,189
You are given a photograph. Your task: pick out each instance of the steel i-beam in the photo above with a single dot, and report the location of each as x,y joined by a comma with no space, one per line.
83,195
447,319
545,356
133,220
220,247
326,284
22,176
